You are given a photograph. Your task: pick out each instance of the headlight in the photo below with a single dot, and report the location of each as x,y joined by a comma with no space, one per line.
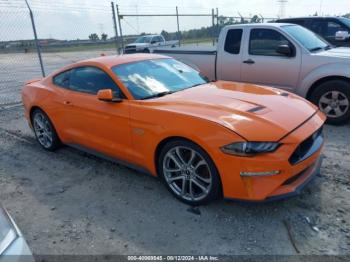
7,231
250,148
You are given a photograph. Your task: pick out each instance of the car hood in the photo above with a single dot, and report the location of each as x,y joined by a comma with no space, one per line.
254,112
339,52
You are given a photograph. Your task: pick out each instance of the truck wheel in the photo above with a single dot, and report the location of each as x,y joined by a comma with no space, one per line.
146,50
333,99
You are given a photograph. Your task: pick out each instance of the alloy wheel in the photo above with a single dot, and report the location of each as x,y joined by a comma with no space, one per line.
334,104
43,130
187,173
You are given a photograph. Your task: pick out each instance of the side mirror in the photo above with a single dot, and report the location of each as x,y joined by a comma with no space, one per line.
153,42
106,95
342,35
285,50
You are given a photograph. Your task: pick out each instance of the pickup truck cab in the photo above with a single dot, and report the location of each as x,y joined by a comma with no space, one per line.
285,56
145,43
335,30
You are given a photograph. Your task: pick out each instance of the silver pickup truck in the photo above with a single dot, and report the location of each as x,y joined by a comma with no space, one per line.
285,56
146,43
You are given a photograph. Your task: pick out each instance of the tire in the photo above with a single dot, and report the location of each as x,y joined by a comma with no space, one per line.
146,50
194,168
333,98
44,131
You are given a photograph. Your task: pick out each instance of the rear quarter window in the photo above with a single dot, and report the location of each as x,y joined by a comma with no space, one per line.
62,79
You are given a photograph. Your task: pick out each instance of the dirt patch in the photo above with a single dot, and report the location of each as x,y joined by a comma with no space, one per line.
68,202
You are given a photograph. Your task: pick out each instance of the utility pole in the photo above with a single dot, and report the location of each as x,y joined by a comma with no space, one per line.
120,28
178,26
282,9
116,38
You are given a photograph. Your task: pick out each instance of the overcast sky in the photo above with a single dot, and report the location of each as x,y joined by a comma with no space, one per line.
72,19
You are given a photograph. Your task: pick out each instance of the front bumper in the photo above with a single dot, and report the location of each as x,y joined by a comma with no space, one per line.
295,187
291,178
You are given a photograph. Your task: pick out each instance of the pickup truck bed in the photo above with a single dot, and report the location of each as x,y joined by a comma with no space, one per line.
205,57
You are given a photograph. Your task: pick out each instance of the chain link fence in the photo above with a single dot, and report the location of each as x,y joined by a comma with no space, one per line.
73,32
65,34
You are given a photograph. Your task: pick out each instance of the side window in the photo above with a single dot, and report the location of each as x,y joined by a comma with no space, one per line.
233,41
157,39
319,27
265,42
91,80
333,28
62,79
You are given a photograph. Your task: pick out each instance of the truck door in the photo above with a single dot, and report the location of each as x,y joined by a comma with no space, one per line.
262,64
229,57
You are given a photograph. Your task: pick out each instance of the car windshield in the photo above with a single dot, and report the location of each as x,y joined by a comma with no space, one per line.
144,39
307,38
345,21
157,77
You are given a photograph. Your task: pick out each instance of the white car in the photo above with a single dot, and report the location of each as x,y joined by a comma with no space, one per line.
13,246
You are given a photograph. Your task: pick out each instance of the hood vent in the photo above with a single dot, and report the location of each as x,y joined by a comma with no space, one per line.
255,109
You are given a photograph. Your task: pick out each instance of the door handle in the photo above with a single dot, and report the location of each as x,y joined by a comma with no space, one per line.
67,103
249,62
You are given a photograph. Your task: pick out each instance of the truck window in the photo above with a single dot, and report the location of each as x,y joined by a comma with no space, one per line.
326,28
233,41
265,42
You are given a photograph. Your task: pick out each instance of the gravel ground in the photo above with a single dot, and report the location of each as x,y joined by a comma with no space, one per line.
68,202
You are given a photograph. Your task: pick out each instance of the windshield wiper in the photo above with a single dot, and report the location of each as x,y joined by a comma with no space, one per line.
159,94
327,47
316,49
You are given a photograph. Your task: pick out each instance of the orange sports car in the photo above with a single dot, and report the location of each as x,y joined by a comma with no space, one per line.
204,139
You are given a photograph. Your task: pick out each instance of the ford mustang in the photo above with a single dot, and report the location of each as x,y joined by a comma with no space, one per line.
204,139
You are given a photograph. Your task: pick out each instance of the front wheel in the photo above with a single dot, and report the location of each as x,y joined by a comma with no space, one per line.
333,99
189,173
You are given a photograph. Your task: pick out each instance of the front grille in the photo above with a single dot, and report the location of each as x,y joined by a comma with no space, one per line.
130,49
307,148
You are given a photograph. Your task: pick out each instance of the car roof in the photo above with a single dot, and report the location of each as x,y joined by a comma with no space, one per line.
308,17
148,35
110,61
261,25
114,60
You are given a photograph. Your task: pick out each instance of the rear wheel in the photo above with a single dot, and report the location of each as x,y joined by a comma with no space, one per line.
333,99
44,131
189,173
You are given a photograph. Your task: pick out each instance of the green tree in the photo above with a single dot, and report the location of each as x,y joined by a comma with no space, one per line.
93,37
255,19
104,37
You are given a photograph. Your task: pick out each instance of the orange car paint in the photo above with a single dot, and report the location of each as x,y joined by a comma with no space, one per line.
211,115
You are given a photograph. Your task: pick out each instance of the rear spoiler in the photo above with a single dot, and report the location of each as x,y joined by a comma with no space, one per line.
32,81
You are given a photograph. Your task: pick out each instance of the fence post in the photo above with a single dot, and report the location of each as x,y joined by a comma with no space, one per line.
120,29
36,40
217,24
213,24
178,26
115,28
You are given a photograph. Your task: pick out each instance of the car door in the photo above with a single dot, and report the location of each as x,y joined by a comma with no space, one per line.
262,64
97,125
